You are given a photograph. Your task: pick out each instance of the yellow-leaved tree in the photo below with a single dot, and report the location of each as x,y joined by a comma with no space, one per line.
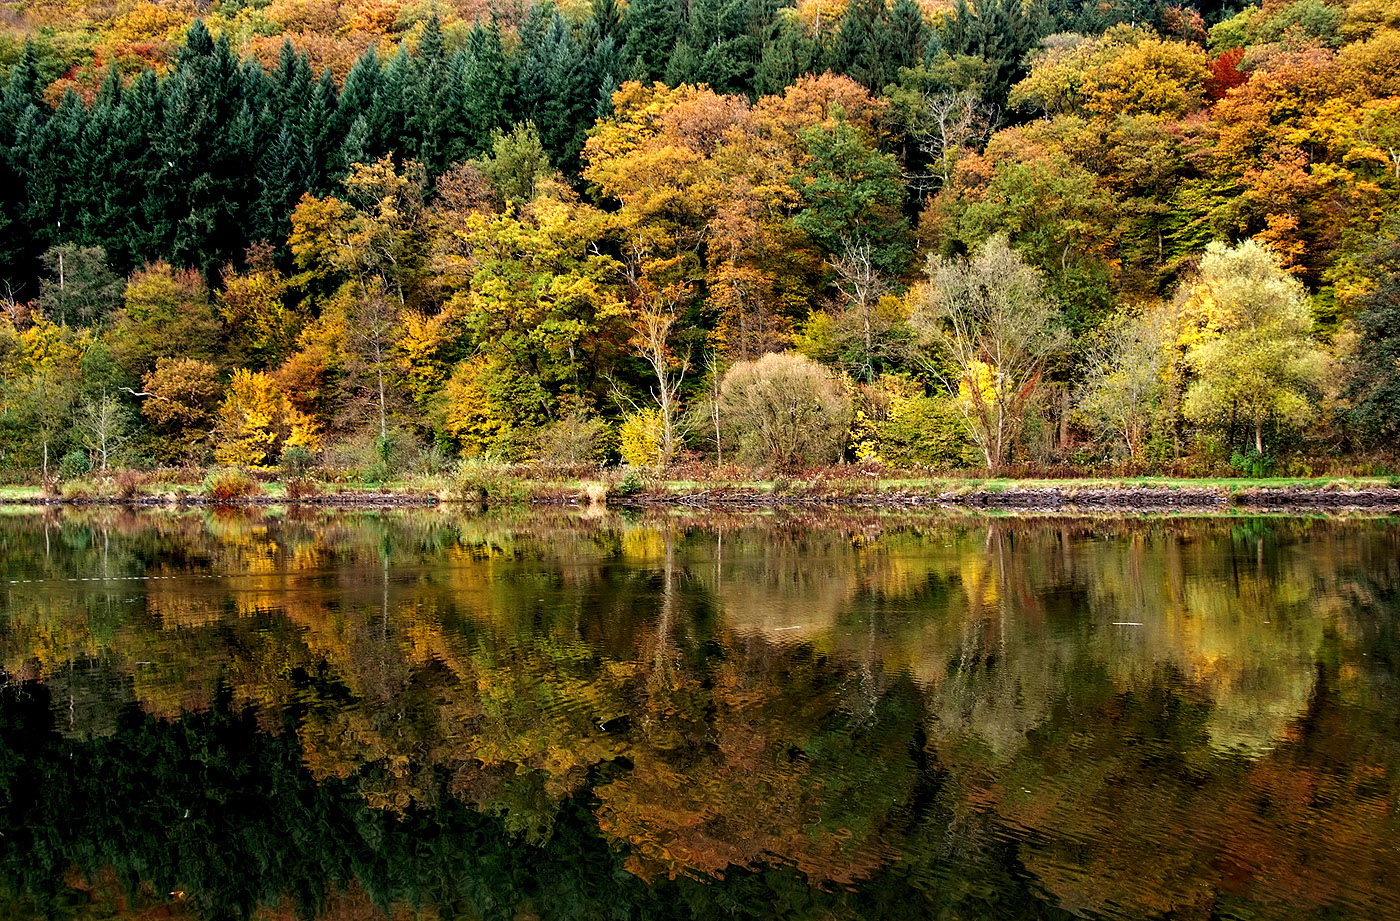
257,422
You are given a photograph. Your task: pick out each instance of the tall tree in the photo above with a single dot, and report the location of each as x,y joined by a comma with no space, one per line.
989,329
1252,352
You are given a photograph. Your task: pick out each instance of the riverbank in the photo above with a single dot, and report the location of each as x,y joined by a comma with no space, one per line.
637,490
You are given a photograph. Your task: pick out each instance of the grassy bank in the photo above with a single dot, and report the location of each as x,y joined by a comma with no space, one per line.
491,485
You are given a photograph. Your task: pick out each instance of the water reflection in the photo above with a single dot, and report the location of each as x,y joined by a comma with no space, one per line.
346,714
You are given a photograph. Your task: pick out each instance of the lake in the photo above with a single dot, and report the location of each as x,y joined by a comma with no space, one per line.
792,715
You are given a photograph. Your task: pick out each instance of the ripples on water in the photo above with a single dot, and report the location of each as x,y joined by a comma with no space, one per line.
348,715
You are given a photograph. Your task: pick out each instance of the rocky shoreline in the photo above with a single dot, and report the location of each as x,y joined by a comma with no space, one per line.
328,500
1123,498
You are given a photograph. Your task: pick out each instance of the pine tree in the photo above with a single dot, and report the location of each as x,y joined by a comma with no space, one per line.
906,36
486,82
653,31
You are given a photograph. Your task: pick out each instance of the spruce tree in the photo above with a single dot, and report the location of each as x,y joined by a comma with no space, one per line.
861,44
906,36
653,30
486,83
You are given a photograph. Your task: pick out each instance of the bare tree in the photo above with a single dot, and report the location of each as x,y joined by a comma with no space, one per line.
103,424
951,122
652,326
988,329
658,292
862,285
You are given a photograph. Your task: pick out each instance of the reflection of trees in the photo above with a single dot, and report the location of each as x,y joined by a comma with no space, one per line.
966,669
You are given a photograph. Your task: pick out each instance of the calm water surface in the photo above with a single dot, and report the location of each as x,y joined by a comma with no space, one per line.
431,715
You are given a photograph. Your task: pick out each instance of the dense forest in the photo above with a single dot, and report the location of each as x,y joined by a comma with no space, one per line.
378,237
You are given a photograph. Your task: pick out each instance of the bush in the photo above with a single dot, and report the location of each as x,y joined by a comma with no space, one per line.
74,464
925,431
430,461
640,438
301,487
127,484
573,441
631,483
78,491
297,461
230,484
1251,463
784,410
480,479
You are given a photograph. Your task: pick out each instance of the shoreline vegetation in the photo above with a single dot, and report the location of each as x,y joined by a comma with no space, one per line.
631,488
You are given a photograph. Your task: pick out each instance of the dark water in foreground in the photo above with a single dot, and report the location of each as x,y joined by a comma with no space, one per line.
429,715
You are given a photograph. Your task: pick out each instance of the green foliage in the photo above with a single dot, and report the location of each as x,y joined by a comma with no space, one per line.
1373,368
574,440
1255,360
517,164
74,464
920,430
78,287
296,461
1251,463
405,240
853,196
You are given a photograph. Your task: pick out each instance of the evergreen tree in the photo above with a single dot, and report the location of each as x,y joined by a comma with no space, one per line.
653,31
486,83
356,99
906,36
555,85
788,53
389,112
862,44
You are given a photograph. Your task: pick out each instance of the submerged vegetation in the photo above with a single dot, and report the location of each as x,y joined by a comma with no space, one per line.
375,240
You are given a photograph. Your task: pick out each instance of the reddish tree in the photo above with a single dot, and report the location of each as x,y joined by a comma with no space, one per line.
1225,73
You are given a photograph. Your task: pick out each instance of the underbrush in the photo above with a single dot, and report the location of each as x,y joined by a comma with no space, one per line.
230,484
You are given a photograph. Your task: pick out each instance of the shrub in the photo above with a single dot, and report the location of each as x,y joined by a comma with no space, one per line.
74,464
1251,463
127,484
230,484
640,438
785,410
573,441
480,479
927,431
631,483
430,461
301,487
297,461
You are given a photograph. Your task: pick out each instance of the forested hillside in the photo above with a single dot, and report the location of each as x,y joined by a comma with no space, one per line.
379,237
